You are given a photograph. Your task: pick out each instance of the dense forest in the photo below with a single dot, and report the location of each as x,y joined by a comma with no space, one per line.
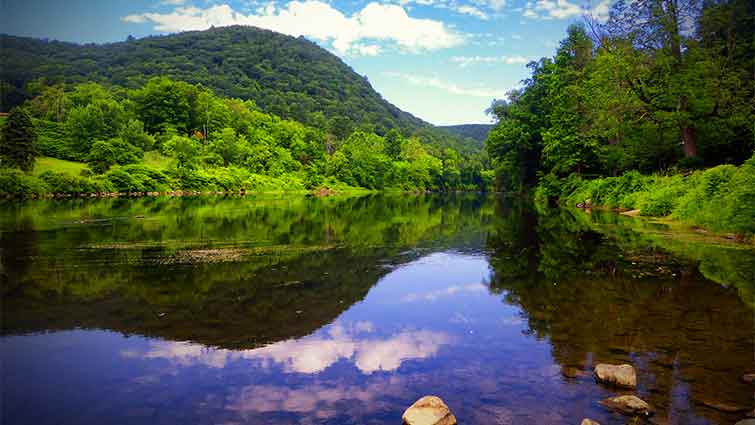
664,87
290,77
478,132
170,135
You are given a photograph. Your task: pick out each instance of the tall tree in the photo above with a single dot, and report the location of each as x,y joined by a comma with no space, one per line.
18,142
665,73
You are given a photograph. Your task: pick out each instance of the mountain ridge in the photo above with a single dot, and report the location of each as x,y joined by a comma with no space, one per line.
288,76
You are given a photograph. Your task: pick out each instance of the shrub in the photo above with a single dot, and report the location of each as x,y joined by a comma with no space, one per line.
137,178
66,183
14,181
103,155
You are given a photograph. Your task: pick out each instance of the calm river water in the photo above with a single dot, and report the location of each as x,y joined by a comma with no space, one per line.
295,310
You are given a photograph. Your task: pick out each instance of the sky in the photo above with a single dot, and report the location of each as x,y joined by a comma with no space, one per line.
442,60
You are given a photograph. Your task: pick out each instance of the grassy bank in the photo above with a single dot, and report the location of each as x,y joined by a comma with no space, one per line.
52,176
721,199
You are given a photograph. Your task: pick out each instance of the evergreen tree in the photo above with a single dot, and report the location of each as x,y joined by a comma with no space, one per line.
18,143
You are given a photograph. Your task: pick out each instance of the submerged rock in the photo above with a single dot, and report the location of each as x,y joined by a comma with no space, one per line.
429,410
628,405
586,421
723,406
572,372
619,375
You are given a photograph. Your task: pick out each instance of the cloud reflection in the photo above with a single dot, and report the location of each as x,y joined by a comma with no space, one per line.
314,354
445,292
319,400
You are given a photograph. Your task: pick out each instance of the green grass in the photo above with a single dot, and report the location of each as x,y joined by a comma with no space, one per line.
721,198
44,163
157,160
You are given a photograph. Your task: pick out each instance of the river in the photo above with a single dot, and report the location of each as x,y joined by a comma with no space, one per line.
345,310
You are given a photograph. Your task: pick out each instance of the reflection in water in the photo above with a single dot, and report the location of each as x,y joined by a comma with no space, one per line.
313,354
345,310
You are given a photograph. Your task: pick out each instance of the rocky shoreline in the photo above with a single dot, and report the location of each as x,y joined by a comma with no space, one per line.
432,410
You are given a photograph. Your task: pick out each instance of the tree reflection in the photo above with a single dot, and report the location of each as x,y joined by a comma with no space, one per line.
602,298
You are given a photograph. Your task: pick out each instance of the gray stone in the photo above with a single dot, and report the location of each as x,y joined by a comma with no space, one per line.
429,410
628,405
619,375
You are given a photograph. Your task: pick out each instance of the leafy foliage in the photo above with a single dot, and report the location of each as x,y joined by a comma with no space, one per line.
289,77
17,145
721,198
663,85
202,142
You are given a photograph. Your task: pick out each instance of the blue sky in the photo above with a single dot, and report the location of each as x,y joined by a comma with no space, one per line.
442,60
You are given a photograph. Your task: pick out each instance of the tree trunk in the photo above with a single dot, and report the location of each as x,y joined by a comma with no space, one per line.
689,135
689,141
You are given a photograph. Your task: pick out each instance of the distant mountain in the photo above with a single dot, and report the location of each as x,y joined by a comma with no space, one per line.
478,132
290,77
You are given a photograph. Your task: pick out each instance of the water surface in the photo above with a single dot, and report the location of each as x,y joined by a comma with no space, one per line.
346,310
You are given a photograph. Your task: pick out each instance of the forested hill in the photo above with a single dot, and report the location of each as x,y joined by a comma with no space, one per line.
287,76
478,132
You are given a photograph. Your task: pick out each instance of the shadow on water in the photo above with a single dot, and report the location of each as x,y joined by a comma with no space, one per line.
345,310
602,293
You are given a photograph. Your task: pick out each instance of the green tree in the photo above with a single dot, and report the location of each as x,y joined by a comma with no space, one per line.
394,142
104,154
18,147
186,150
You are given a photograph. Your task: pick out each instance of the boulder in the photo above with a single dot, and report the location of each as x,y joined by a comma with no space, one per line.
429,410
749,378
746,422
628,405
586,421
619,375
572,372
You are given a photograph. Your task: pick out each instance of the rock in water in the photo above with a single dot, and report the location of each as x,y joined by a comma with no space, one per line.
429,410
619,375
586,421
628,404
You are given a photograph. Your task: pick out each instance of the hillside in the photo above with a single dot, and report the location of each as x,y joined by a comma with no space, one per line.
287,76
478,132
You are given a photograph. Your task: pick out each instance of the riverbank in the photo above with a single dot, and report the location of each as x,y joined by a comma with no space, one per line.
720,199
142,180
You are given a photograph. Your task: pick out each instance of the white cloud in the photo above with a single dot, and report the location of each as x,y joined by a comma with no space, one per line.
446,86
465,61
563,9
365,49
552,9
516,37
600,11
135,19
173,2
472,11
320,21
496,5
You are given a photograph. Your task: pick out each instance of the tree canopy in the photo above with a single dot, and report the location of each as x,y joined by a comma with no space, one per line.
290,77
664,83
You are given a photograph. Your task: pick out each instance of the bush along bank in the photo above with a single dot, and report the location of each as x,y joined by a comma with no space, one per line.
142,179
720,199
